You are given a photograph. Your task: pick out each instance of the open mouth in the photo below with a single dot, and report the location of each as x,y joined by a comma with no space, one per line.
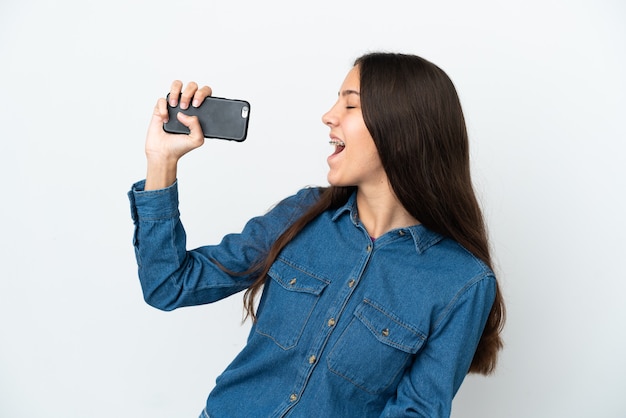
339,145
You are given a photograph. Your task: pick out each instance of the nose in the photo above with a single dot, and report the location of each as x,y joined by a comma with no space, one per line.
329,119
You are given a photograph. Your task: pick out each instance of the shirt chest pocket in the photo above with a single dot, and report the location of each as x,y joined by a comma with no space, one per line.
289,300
374,349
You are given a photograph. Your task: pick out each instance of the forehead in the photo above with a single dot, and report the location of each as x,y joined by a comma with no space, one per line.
351,83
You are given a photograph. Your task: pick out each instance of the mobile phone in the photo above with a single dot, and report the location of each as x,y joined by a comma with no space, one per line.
219,118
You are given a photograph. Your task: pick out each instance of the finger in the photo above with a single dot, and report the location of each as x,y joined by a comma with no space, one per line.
159,117
195,130
161,110
187,95
200,95
175,90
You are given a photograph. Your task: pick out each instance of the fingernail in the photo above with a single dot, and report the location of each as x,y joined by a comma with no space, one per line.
196,103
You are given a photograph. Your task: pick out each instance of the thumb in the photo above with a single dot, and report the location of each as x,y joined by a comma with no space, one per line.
195,130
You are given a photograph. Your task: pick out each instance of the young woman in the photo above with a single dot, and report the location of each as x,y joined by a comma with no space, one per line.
377,294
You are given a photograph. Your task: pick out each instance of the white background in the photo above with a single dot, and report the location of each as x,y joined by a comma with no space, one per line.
542,84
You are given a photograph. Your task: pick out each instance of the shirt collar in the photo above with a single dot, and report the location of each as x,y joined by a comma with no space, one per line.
422,236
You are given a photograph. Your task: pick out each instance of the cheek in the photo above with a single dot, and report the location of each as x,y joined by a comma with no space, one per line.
368,146
372,153
358,131
354,122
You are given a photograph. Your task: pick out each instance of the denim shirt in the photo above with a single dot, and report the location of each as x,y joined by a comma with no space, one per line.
347,326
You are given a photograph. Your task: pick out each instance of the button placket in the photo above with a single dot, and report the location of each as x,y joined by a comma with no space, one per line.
335,310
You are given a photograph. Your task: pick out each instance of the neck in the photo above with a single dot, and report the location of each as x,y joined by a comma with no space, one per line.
380,211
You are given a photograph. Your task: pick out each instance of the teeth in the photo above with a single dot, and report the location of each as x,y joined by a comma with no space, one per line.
337,142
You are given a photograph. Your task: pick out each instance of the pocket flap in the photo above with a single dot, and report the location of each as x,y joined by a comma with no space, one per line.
389,329
296,280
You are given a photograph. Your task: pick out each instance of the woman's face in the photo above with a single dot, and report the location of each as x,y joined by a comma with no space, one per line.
355,160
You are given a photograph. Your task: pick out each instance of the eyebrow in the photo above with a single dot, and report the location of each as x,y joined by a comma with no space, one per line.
349,92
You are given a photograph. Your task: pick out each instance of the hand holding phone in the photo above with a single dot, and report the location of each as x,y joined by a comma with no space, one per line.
219,118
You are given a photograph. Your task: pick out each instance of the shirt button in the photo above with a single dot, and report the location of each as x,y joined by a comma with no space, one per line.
351,283
293,397
293,281
331,322
401,232
369,248
312,359
385,332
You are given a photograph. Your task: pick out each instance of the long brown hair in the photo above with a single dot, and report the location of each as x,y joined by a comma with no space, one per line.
413,112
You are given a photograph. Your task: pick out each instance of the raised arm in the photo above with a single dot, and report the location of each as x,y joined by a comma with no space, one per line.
163,150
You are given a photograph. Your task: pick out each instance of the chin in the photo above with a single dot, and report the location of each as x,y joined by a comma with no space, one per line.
338,183
333,181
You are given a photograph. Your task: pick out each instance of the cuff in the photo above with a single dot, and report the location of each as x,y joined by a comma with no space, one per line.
153,204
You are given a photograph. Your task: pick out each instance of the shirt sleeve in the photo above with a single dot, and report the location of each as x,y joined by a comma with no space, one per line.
171,276
429,385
